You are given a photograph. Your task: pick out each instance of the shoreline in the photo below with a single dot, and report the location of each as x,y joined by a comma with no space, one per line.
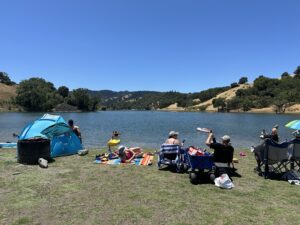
253,111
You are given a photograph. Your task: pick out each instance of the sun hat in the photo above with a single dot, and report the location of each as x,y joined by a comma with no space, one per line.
224,181
116,133
226,138
172,133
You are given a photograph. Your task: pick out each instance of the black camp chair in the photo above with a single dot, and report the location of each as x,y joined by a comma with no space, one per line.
223,161
275,156
294,154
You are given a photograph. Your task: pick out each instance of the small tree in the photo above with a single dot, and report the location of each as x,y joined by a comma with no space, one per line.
285,75
297,71
80,98
219,103
233,103
36,94
4,78
94,102
243,80
63,91
233,85
246,105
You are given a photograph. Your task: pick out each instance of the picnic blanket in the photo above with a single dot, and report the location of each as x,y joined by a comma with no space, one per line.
145,161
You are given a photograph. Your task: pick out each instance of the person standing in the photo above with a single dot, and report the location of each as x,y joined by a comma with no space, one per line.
75,129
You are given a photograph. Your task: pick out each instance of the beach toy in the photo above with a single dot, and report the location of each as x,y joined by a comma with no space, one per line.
113,142
235,160
242,154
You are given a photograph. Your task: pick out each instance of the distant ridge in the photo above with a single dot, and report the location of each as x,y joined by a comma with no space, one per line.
279,95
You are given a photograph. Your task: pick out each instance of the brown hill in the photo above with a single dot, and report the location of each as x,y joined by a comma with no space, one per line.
226,94
7,92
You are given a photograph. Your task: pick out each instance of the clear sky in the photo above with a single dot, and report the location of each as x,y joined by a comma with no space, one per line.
182,45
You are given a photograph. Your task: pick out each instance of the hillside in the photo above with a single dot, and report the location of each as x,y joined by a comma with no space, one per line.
227,95
7,92
264,95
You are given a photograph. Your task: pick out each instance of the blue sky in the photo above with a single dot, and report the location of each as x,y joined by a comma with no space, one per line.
187,45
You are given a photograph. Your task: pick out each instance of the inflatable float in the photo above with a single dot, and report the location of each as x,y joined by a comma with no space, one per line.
8,145
113,142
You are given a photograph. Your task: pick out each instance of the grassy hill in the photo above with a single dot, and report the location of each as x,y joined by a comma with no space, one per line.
227,95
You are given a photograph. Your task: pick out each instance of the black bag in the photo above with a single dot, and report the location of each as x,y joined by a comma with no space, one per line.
291,175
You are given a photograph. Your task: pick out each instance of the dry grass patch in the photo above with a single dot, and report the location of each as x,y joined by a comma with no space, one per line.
74,190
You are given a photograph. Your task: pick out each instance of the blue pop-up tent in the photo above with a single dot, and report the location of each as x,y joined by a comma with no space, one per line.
63,140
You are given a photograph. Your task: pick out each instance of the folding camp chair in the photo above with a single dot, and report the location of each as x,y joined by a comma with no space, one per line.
276,157
223,161
172,156
294,154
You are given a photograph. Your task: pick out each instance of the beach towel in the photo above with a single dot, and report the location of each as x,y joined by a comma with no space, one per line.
146,160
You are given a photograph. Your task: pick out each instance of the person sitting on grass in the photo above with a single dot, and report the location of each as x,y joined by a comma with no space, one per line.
128,154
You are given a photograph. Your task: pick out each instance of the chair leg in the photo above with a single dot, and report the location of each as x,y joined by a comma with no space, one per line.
292,165
266,172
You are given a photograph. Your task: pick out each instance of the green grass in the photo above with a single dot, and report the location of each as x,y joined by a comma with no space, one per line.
74,190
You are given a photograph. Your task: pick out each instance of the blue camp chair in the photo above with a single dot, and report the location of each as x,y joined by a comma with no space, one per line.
172,156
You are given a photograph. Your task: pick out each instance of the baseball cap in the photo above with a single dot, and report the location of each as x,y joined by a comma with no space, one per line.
226,138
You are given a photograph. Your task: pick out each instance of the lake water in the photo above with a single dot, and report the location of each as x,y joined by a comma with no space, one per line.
149,129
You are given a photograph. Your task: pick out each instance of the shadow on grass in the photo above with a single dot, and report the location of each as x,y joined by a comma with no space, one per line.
170,168
209,176
273,176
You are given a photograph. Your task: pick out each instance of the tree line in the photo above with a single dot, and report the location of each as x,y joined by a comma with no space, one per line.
37,94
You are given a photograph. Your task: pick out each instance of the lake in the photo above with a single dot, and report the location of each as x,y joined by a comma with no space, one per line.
148,129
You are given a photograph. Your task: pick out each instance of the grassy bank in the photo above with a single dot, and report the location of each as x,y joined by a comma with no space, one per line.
73,190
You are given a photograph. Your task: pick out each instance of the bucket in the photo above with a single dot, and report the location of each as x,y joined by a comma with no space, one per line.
30,150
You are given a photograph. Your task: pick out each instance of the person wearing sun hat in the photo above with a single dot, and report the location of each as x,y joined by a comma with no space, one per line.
173,138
